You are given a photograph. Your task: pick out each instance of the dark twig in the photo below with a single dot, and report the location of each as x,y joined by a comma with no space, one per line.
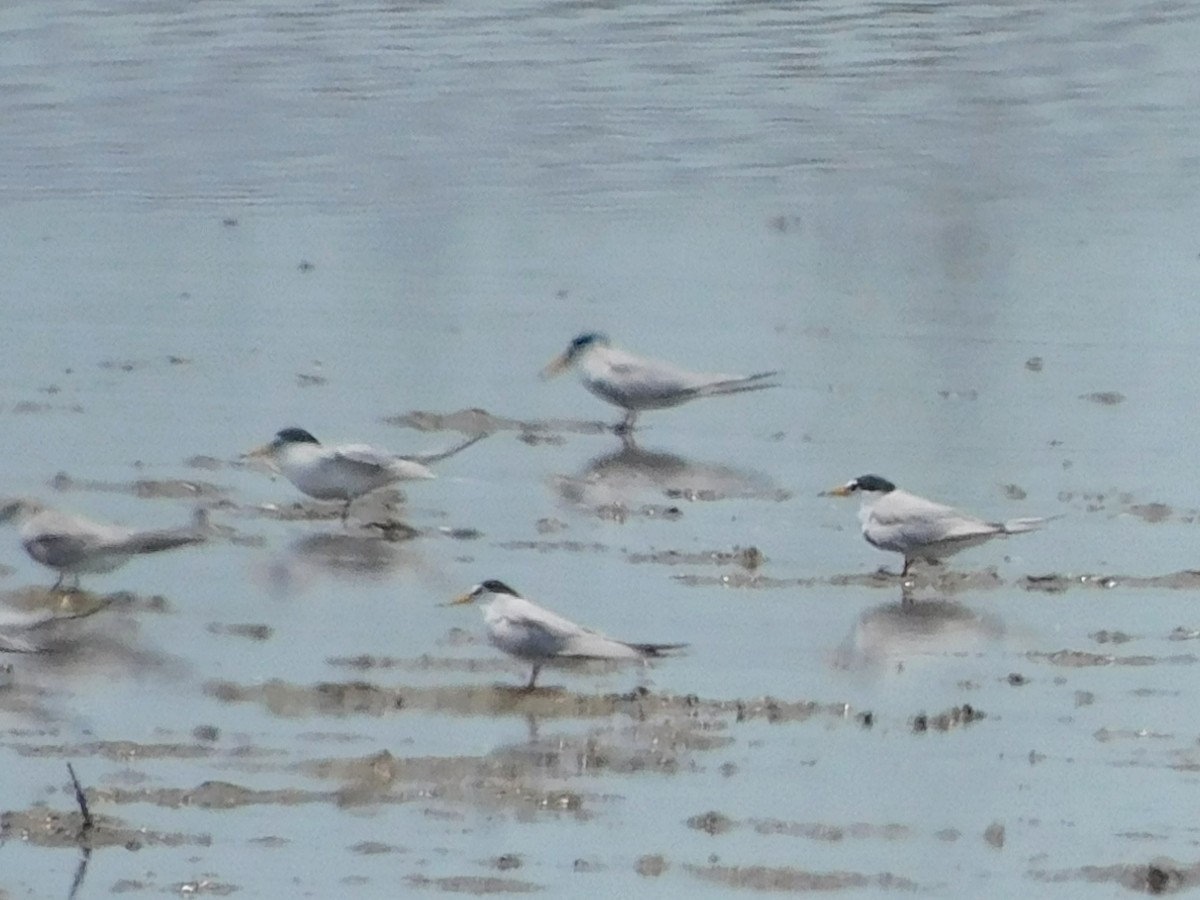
80,872
88,824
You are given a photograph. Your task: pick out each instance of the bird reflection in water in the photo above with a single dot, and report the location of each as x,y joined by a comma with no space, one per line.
896,633
632,474
342,555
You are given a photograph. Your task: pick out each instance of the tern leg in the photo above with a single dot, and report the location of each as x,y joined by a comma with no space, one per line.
907,564
58,584
625,426
346,512
533,676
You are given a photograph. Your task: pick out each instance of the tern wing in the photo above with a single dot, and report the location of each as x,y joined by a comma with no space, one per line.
925,522
647,381
553,635
374,461
154,541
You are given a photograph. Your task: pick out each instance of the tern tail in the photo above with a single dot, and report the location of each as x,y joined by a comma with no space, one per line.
657,649
756,382
1019,526
446,454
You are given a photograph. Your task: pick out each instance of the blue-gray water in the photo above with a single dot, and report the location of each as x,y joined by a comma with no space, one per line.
965,233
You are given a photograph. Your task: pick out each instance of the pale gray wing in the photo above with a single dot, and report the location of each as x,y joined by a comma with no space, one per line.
648,381
372,462
557,636
361,455
154,541
925,522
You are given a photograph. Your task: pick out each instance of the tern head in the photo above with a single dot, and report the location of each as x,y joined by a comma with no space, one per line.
15,509
286,438
864,484
491,586
574,352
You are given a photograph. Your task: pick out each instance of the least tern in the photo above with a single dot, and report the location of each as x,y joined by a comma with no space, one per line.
347,471
74,546
525,630
896,520
634,383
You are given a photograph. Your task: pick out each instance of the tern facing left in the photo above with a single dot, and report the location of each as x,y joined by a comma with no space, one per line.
75,546
896,520
524,630
344,472
635,383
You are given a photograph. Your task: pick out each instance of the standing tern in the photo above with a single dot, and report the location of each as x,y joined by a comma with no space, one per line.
635,383
74,546
347,471
896,520
528,632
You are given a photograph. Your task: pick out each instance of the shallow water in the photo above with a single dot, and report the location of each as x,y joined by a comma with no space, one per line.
964,233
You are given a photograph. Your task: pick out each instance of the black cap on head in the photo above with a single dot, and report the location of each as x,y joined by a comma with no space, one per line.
497,587
295,436
585,340
873,483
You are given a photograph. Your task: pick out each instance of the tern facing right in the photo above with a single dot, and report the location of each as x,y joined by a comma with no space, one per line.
74,546
635,383
528,632
896,520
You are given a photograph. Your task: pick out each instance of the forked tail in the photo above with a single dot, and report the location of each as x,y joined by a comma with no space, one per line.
1020,526
657,649
756,382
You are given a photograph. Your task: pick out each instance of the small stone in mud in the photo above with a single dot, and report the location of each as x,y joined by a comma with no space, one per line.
994,835
1016,679
1014,492
866,719
1104,398
1151,512
206,733
305,266
1034,364
1110,637
951,718
550,525
651,866
253,632
750,557
210,463
458,534
711,823
507,861
1084,698
306,380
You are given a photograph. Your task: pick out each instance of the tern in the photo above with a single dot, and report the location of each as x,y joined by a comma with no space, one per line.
635,383
74,546
896,520
344,472
524,630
